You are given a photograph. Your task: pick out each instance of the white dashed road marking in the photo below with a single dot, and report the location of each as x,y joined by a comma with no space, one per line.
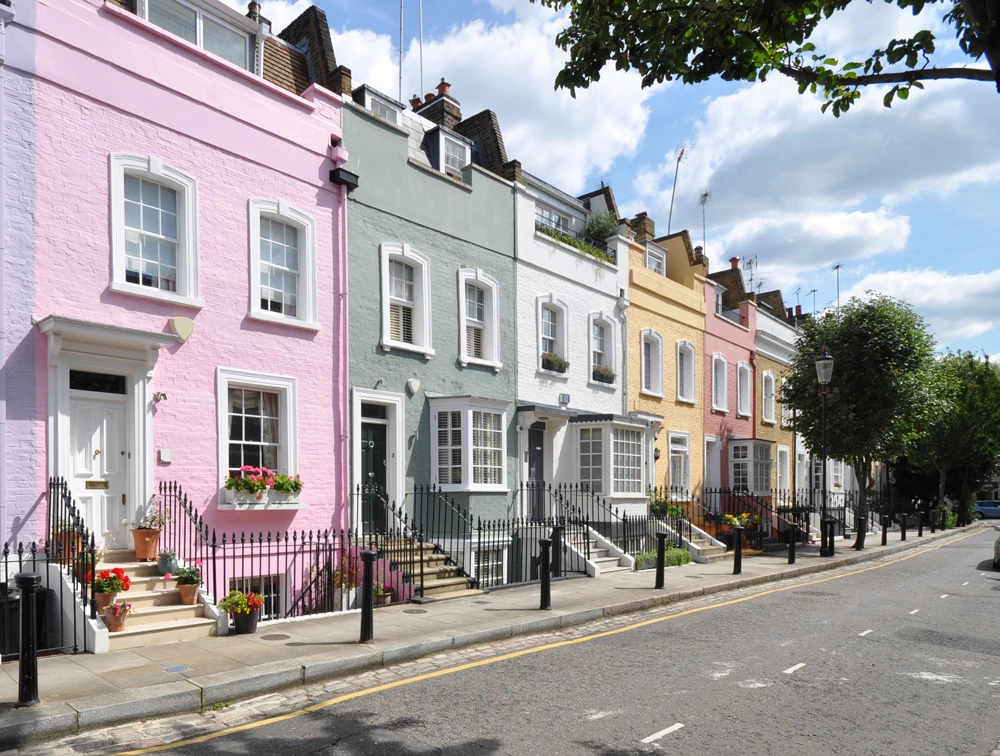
865,633
966,582
914,611
657,735
944,595
794,669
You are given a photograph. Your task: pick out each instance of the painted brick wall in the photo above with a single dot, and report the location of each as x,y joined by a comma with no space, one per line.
774,432
239,139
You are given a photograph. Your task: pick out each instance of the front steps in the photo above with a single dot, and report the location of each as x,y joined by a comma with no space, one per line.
158,616
442,581
706,552
605,561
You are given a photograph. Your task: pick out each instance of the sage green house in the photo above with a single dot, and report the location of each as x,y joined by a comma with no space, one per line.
431,303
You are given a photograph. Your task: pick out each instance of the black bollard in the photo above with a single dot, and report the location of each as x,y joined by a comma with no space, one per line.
885,529
557,550
367,598
738,552
933,517
902,522
920,525
793,533
546,545
833,529
661,558
824,546
944,518
27,689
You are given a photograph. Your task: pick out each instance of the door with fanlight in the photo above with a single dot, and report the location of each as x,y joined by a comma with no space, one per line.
99,454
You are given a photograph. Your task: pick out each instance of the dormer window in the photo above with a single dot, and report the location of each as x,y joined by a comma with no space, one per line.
383,109
210,31
718,302
456,154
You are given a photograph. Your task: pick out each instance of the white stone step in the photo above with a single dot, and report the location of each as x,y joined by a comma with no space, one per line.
137,636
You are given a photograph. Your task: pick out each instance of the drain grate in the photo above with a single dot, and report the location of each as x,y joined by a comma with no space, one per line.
275,637
414,611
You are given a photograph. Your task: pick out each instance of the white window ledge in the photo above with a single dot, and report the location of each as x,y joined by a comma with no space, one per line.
554,373
738,414
647,392
465,361
148,292
450,488
723,410
601,385
272,317
427,352
689,402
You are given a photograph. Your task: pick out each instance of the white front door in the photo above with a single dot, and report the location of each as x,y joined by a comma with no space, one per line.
99,463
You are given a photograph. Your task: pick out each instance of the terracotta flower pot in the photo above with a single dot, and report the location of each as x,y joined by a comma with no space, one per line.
189,593
382,599
147,544
114,623
104,600
246,622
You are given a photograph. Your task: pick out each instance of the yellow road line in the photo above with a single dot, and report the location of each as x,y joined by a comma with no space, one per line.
516,654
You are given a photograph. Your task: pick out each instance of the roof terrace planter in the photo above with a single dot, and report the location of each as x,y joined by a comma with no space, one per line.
554,362
596,249
603,374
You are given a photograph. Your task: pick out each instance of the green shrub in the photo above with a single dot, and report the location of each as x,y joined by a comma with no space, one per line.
677,557
600,225
587,249
672,557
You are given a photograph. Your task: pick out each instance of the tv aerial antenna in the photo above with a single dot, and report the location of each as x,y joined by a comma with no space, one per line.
677,167
704,198
813,292
750,264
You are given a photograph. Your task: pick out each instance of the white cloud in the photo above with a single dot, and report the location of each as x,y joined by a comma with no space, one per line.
556,137
956,306
279,12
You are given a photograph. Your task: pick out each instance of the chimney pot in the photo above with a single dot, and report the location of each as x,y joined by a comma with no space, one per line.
698,250
734,263
798,311
416,102
444,87
428,97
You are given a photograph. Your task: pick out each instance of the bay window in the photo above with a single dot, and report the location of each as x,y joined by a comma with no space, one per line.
610,457
469,444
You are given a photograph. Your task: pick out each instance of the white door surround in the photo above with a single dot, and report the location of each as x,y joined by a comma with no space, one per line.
99,348
395,475
713,462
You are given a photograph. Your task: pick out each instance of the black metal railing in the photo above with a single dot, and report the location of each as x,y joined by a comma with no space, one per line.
507,551
595,247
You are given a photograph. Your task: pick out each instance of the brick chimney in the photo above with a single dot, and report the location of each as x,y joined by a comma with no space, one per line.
734,263
788,313
643,227
798,311
441,108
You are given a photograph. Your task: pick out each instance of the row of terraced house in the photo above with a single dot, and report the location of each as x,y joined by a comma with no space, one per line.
219,251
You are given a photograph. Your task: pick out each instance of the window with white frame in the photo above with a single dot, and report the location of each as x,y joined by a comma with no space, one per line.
680,461
784,469
761,468
652,362
655,260
553,334
490,566
743,384
270,588
602,349
592,459
212,32
817,473
787,416
720,383
469,445
478,303
837,473
406,299
740,466
283,267
767,389
257,422
686,361
552,218
154,230
627,461
718,301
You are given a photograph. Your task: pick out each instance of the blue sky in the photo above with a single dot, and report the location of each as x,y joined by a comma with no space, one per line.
905,199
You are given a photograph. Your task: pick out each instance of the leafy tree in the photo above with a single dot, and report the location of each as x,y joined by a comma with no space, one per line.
956,429
746,40
880,349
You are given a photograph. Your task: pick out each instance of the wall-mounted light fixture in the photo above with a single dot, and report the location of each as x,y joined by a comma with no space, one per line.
159,396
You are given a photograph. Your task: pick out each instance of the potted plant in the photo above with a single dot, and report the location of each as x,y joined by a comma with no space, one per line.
167,563
284,489
346,579
249,487
114,616
146,531
555,363
244,608
188,582
743,520
382,594
108,584
603,374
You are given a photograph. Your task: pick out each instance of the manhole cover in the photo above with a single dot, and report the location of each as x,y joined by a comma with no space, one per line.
175,668
414,611
275,637
480,602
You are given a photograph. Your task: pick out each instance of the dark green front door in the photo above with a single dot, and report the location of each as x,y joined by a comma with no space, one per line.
373,469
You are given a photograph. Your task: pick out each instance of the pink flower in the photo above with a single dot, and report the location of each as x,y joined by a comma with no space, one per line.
168,576
198,562
270,481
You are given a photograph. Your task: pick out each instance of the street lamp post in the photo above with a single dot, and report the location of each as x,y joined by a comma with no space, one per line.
824,372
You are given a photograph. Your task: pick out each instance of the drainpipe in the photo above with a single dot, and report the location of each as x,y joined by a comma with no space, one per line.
6,16
519,446
346,423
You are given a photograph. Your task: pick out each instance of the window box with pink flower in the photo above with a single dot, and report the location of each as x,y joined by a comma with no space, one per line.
260,488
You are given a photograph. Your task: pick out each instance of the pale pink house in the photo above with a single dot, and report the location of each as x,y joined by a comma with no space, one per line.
730,330
174,294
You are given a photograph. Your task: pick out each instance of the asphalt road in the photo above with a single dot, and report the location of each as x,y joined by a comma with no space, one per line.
902,659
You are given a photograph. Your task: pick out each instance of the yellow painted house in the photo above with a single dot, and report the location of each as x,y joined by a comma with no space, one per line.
666,338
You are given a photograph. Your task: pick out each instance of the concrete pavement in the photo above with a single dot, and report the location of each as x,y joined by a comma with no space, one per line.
86,691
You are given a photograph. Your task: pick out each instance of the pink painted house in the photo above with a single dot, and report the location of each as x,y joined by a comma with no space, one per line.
174,295
732,457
